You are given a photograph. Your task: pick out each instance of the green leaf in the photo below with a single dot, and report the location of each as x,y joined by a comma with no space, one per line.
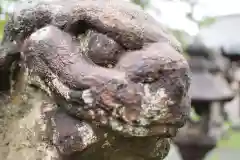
206,22
142,3
2,24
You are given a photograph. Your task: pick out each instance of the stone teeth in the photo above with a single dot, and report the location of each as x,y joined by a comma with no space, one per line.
87,97
104,120
100,112
143,121
147,90
92,114
116,125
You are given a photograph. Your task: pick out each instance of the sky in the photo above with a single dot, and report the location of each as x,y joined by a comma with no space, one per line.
174,13
217,7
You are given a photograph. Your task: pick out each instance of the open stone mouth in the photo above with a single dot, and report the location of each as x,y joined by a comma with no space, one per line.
154,107
145,127
162,130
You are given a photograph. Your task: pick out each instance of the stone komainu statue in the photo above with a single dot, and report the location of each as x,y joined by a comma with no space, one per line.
115,80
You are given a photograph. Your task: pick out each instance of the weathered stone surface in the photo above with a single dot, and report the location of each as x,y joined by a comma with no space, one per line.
124,22
23,133
122,102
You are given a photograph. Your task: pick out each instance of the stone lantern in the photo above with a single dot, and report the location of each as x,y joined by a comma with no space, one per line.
209,91
232,52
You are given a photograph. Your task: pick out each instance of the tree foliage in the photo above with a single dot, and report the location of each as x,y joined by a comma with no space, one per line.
2,21
206,22
142,3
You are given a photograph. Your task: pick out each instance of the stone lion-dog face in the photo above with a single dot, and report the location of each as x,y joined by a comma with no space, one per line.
109,65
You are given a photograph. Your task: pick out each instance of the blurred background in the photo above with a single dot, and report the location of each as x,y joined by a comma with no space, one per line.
209,32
